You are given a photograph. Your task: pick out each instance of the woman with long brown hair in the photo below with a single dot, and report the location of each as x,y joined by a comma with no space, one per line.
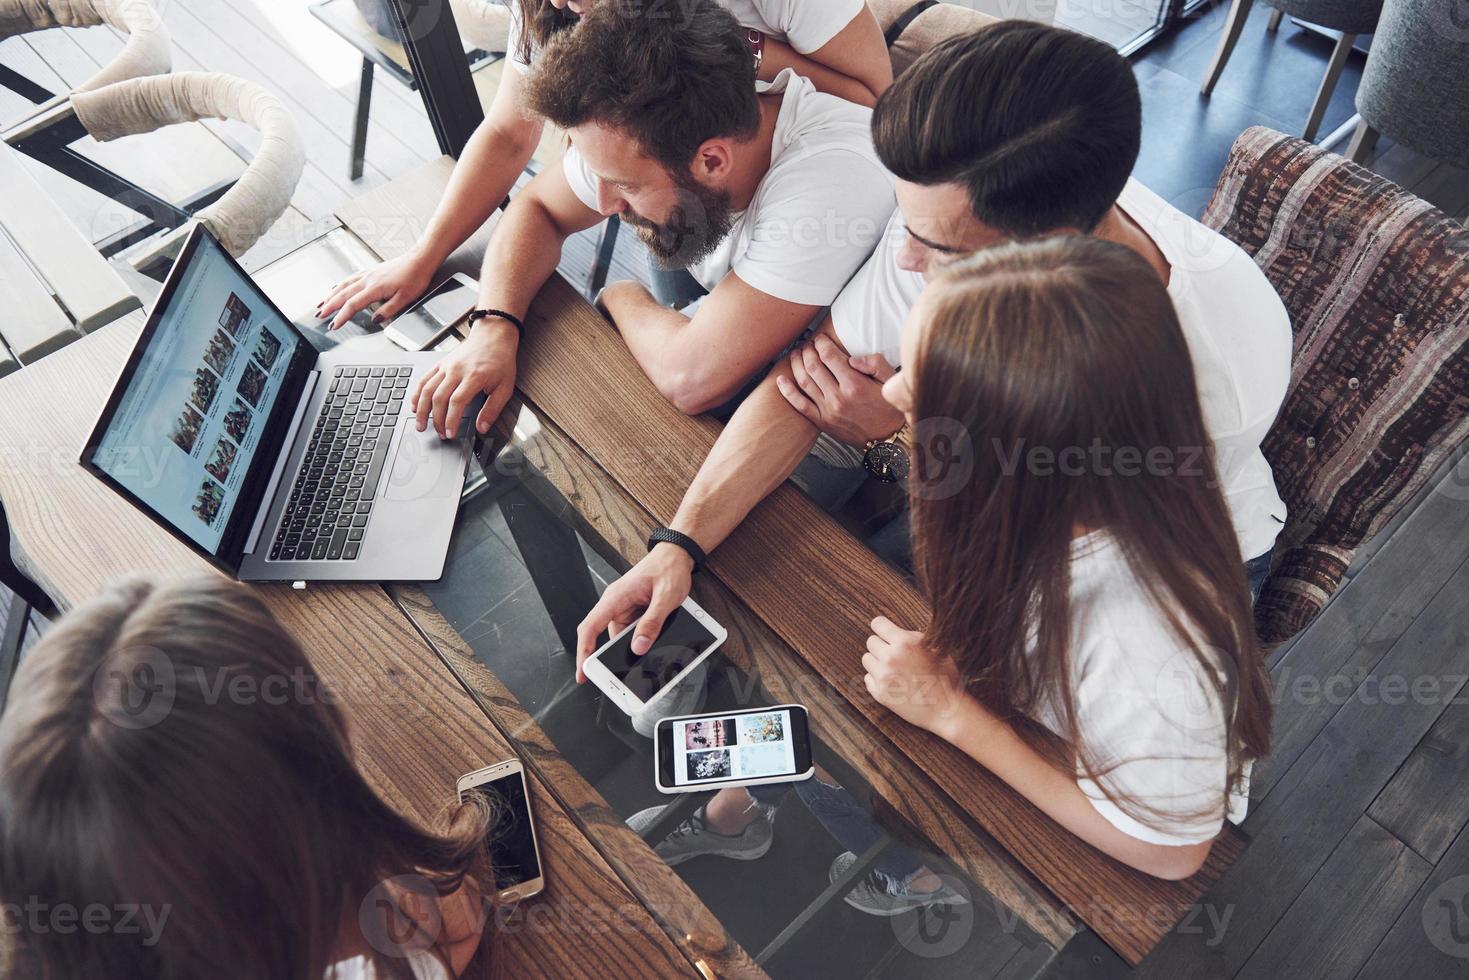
1091,640
178,800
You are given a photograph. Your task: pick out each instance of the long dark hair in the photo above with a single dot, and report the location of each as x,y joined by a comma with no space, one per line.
171,748
539,22
1073,342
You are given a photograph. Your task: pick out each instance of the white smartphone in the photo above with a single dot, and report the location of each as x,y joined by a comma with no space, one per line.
425,322
733,748
514,853
633,682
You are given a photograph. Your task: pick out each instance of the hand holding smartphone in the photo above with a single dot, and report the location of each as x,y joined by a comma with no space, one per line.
514,852
752,747
633,681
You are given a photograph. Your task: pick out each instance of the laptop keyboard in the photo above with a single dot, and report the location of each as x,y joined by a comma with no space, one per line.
331,501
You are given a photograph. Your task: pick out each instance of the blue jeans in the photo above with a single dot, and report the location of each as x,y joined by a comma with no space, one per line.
849,824
674,288
1257,570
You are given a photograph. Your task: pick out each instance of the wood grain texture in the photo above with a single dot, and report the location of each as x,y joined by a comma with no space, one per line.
1427,802
414,728
1338,921
801,573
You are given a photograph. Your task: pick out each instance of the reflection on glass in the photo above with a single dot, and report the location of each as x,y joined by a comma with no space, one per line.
523,570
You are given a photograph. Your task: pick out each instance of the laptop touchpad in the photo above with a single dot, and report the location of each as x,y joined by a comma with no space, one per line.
424,466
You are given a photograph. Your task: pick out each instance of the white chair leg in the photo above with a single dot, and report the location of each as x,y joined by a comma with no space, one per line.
1364,141
1328,85
1273,24
1233,24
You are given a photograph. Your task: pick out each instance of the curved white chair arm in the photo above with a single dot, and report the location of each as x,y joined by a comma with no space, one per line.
483,23
263,192
147,51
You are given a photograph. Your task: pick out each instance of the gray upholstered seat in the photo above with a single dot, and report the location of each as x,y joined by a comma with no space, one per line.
1415,87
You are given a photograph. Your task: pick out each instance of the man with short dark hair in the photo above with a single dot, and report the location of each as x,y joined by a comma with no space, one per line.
1014,131
771,195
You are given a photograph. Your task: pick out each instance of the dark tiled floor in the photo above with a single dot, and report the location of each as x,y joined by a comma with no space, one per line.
1270,80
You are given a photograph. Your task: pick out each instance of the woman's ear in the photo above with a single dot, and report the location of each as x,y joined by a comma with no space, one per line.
713,161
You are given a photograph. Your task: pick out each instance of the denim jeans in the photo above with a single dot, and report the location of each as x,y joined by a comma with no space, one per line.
674,288
1257,570
849,824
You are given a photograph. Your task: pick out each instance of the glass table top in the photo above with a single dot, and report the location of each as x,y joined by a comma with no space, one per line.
523,569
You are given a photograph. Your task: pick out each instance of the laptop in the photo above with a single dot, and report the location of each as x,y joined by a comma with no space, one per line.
276,461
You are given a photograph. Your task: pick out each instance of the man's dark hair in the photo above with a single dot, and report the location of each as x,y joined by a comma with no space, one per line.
1041,125
671,78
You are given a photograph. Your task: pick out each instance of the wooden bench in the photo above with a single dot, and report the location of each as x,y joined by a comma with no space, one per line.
58,286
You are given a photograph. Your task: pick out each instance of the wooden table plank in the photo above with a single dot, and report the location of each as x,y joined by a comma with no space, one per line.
414,728
653,451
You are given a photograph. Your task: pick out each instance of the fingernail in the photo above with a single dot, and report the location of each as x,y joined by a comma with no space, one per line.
641,644
377,318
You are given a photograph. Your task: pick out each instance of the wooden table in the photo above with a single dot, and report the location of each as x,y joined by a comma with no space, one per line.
795,590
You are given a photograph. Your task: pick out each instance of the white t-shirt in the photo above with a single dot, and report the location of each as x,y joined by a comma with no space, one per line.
816,214
425,966
805,25
1146,709
1237,330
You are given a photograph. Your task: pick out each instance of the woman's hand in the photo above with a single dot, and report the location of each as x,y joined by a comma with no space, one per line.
915,683
656,586
397,282
485,362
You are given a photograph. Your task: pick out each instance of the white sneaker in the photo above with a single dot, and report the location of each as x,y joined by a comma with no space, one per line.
693,837
871,894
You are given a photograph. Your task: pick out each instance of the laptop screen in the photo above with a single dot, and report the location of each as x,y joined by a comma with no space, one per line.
196,400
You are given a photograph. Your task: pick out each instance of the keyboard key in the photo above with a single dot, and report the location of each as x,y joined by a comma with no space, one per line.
377,372
350,551
318,550
364,506
334,547
359,520
355,534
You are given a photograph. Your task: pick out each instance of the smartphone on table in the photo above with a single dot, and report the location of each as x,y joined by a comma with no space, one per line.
426,322
633,682
750,747
514,852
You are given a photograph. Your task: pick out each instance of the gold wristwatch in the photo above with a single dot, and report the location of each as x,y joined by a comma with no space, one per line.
887,459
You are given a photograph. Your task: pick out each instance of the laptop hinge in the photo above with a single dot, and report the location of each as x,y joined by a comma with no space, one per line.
287,449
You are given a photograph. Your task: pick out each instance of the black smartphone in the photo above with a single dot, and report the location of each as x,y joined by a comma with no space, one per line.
750,747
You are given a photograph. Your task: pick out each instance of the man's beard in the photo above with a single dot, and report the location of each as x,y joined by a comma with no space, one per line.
693,229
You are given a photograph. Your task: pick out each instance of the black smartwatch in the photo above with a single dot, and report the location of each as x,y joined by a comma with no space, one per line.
667,535
886,459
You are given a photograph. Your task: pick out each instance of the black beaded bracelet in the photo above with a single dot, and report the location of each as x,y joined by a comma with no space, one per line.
510,318
667,535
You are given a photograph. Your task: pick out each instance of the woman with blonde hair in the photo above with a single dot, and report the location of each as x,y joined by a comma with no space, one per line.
175,773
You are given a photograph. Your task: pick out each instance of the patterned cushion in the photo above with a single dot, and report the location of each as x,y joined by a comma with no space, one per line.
1377,285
